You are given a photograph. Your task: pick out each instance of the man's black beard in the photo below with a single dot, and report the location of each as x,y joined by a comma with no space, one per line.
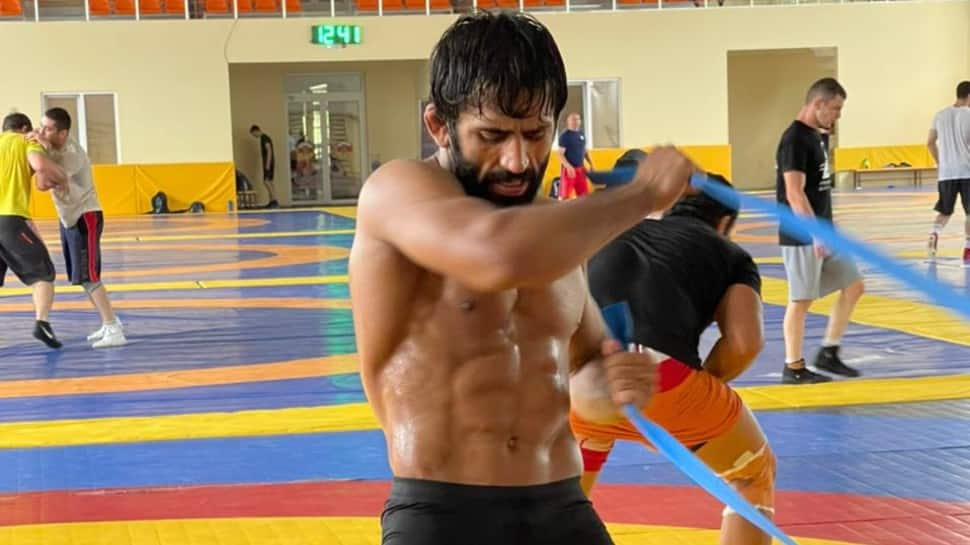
467,174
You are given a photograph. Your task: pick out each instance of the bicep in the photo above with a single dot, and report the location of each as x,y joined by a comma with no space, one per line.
794,182
39,161
739,315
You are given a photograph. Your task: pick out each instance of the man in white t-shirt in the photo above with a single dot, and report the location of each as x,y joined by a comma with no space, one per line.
949,143
81,222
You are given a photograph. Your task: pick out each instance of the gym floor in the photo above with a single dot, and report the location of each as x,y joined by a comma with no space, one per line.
235,414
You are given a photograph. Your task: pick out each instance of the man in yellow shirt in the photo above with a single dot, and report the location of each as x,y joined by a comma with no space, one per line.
21,249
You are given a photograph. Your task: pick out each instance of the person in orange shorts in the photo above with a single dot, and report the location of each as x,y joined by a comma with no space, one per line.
679,274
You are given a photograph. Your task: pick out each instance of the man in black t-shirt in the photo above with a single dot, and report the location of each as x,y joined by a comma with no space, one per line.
268,157
804,183
678,275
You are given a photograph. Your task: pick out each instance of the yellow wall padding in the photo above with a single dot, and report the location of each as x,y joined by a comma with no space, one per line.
715,159
126,190
916,155
212,184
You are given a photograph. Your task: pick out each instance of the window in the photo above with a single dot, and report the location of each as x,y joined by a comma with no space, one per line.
598,102
94,123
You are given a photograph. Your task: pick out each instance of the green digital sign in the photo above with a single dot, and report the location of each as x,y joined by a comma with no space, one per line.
335,35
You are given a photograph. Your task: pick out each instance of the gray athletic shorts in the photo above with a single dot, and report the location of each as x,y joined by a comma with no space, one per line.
811,278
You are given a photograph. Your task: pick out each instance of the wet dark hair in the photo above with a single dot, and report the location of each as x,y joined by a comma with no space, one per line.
505,60
17,121
705,208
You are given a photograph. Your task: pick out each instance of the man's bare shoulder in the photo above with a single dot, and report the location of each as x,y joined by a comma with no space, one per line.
408,175
403,182
384,202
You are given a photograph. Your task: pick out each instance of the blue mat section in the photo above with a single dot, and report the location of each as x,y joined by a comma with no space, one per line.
149,259
900,457
169,339
877,353
296,220
875,455
274,394
309,291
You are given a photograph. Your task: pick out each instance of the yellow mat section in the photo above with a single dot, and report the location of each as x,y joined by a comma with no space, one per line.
296,531
358,416
188,426
196,284
901,315
917,155
345,211
234,236
856,392
712,158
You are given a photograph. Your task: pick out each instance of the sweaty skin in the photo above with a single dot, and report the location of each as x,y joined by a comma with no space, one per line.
480,380
470,317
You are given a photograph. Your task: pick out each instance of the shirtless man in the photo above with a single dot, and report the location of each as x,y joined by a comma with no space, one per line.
470,306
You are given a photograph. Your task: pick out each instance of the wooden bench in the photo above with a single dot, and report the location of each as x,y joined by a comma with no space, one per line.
916,173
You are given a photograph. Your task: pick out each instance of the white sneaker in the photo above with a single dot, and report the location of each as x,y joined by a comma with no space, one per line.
100,332
96,335
113,336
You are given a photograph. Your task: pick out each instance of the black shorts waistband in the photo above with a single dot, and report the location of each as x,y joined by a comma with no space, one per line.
437,491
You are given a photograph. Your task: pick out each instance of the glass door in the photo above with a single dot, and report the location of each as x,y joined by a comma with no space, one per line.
305,122
344,137
326,147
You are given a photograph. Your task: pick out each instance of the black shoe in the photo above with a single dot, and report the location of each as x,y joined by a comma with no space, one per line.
273,204
44,334
802,376
828,359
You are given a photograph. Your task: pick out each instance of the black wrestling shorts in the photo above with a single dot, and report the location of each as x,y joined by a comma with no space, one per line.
23,252
421,512
948,191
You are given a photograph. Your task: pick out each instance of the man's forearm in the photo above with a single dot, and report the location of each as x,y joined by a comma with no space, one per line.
539,257
800,205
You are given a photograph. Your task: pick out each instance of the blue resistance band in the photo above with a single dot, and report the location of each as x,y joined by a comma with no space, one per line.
807,228
620,323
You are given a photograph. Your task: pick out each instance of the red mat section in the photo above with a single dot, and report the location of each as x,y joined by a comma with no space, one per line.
853,518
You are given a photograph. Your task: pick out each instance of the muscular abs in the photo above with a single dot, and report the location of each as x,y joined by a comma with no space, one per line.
469,387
